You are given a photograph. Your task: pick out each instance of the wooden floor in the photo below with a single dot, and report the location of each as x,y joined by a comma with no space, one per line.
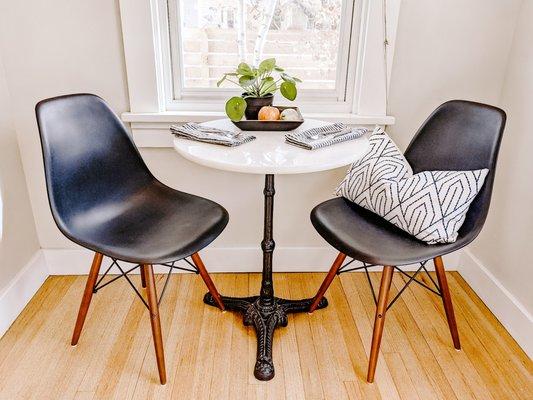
210,354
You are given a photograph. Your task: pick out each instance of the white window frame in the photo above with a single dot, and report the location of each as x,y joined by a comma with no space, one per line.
211,99
153,106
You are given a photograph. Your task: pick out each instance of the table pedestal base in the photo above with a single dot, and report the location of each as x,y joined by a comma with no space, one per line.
265,312
265,316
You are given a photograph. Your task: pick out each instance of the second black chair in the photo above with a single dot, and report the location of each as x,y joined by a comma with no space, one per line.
104,198
458,135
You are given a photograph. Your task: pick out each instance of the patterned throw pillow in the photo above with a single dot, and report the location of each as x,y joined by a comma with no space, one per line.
430,205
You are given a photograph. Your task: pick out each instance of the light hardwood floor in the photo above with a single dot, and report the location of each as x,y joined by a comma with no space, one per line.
210,354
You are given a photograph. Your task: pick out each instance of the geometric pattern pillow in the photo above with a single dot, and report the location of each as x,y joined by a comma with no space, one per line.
383,158
430,205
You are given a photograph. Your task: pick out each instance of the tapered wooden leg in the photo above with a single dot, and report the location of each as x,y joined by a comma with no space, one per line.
207,279
329,278
379,321
447,301
143,278
87,296
155,321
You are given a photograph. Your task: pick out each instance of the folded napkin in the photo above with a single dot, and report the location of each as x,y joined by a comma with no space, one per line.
200,133
323,136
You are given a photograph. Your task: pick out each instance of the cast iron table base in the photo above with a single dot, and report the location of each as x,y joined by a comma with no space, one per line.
265,312
265,319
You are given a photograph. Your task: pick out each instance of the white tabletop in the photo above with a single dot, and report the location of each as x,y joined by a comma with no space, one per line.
269,154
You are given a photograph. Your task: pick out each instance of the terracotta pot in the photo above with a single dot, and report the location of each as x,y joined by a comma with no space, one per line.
254,104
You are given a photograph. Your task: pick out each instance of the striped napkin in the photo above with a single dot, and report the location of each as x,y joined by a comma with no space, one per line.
323,136
207,134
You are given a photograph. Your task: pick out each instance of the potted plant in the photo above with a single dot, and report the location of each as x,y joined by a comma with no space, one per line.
259,87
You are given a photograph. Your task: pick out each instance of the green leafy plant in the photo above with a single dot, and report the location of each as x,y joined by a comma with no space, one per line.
258,82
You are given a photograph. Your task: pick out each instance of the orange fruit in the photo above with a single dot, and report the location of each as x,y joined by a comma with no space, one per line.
268,113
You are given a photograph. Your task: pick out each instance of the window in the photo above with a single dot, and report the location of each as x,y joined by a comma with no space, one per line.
311,39
176,50
213,36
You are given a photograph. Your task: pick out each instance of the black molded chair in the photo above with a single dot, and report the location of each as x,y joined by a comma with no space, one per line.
458,135
104,198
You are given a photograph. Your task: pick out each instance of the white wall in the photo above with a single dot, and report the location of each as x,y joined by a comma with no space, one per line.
444,50
18,239
76,46
54,48
453,49
479,50
65,46
504,245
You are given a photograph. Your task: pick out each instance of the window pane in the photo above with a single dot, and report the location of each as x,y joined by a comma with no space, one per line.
304,38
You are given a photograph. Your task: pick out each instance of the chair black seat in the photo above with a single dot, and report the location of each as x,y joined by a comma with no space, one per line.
156,225
458,135
102,194
367,237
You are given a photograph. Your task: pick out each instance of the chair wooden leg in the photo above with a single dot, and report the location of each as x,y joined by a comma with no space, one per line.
447,301
87,296
155,321
207,279
143,278
379,321
327,281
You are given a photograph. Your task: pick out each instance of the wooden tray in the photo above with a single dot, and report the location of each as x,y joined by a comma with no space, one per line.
279,125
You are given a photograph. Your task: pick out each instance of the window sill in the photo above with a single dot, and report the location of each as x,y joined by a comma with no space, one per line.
152,129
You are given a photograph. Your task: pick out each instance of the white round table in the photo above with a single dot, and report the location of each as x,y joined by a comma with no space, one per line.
268,154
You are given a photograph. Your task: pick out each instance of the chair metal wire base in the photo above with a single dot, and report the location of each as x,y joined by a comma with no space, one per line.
412,278
124,274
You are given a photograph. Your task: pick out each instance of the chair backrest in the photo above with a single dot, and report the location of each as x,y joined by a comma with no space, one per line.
461,135
89,158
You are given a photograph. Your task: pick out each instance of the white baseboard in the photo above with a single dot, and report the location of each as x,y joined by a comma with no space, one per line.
225,259
21,289
217,259
47,262
509,311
